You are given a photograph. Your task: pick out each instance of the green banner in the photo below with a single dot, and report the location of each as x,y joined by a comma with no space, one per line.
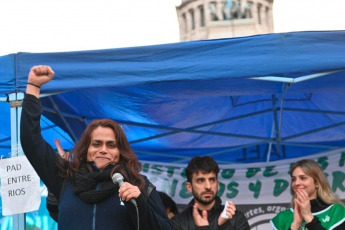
260,183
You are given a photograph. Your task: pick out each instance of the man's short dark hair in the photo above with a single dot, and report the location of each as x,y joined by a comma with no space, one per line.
205,164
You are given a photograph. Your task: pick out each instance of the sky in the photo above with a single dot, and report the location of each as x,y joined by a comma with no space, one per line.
69,25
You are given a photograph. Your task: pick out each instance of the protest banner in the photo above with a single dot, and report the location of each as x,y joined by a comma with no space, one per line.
20,186
259,190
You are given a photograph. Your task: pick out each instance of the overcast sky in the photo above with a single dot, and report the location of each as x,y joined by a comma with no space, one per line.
67,25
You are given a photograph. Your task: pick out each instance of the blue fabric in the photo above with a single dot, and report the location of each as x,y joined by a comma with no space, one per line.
7,74
178,100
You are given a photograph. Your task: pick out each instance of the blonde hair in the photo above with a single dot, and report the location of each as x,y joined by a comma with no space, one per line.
312,169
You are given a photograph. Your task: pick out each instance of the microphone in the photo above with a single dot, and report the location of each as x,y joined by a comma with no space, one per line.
118,179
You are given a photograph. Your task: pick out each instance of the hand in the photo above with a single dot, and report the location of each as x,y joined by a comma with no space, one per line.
303,201
128,191
297,217
230,212
199,220
39,75
61,151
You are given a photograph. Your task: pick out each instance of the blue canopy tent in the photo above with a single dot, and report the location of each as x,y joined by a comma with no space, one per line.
248,99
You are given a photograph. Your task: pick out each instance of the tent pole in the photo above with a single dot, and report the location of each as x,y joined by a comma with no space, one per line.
277,123
63,119
16,148
275,128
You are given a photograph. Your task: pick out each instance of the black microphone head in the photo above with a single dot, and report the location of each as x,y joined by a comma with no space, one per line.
117,179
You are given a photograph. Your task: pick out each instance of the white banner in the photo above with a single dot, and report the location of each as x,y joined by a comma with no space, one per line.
261,183
20,186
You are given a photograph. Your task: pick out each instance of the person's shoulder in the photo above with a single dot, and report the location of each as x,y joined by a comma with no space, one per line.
184,214
338,207
147,181
148,185
181,219
145,177
282,218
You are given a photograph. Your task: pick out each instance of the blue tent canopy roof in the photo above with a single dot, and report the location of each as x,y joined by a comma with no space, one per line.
249,99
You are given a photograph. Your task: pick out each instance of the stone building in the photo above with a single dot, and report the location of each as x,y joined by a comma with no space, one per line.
209,19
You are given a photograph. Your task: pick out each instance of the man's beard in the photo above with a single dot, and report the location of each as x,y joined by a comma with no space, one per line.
203,201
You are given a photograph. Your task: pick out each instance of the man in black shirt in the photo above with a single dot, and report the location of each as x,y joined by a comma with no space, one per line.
205,210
